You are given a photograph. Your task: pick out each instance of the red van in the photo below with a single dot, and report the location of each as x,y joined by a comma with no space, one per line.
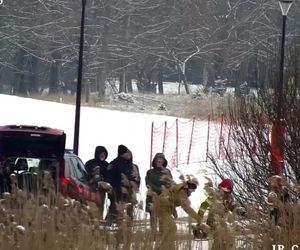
30,151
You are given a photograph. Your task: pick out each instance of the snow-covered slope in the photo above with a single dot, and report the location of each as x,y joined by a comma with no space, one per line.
98,127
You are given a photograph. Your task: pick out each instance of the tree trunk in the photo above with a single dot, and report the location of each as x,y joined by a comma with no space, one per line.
139,83
211,76
53,81
33,77
129,85
122,86
54,74
1,83
19,83
101,79
183,77
160,81
205,74
87,91
186,86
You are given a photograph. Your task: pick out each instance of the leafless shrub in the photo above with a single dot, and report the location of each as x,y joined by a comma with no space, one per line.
248,161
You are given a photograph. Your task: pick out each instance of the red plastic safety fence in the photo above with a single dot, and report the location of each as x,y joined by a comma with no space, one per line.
208,125
229,146
221,139
277,146
190,141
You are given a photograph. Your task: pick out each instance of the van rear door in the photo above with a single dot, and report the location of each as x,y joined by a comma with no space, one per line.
31,142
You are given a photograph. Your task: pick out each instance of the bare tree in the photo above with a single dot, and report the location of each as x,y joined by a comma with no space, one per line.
248,158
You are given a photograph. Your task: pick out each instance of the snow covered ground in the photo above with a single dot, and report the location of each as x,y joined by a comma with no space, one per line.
99,127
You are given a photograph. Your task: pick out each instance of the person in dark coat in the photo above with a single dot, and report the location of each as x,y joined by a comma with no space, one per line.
2,181
123,175
5,182
159,177
98,160
97,172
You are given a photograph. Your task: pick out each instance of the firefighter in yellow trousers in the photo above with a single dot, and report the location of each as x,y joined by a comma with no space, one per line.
218,202
165,207
220,205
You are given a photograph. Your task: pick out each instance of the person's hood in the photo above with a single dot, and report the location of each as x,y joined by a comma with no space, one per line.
159,155
122,150
99,150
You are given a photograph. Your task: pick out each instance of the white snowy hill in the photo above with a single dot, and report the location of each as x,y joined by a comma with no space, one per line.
98,127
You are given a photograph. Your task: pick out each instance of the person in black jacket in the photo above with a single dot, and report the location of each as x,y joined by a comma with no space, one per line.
5,182
97,172
123,175
98,160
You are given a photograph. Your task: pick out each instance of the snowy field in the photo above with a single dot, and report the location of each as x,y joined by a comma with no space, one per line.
99,127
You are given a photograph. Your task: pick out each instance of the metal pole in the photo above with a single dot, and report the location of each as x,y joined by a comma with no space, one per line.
221,139
228,139
191,140
277,144
177,143
151,149
79,80
165,136
280,84
207,140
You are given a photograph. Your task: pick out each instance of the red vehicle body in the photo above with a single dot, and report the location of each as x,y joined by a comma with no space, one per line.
74,183
27,151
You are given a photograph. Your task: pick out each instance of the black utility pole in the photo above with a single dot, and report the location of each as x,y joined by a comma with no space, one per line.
278,128
79,80
285,5
280,84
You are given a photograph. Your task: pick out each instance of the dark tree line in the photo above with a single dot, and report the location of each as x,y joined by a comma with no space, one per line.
143,41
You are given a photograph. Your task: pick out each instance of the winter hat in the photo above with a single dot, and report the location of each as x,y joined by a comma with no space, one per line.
226,185
161,156
122,150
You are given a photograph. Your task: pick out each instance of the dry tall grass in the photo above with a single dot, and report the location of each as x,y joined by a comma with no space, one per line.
53,222
41,224
176,105
47,220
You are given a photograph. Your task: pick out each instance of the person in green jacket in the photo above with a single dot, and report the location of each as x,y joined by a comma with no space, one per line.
223,199
219,203
159,177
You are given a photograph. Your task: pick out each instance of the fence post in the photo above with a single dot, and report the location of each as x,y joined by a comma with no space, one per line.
176,143
229,134
207,141
151,149
191,140
221,139
165,136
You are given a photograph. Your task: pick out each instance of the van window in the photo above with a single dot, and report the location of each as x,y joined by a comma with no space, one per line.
79,170
69,169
